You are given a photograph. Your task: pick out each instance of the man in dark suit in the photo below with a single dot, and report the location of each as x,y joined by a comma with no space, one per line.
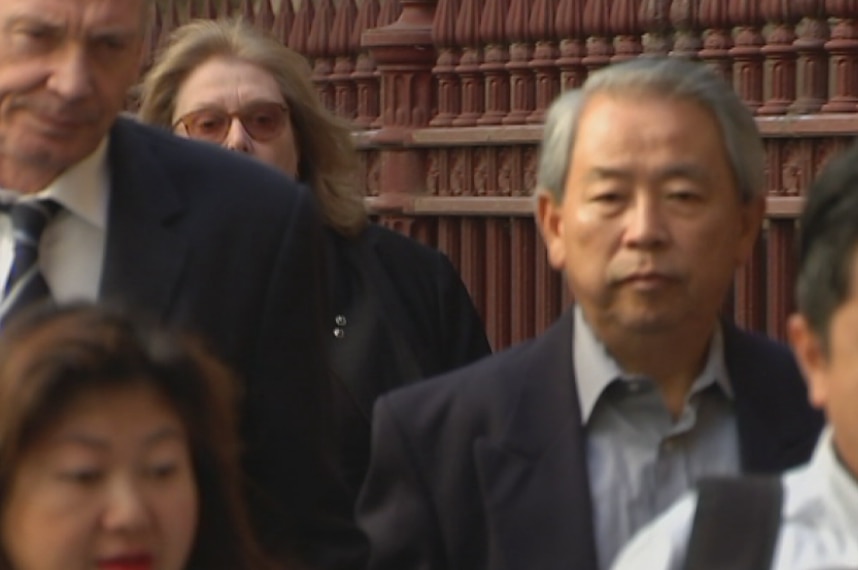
551,454
193,235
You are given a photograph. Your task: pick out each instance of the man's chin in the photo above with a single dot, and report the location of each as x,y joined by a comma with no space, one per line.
31,167
49,151
649,327
649,320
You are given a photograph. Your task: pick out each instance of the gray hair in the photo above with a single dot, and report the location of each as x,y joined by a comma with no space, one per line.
666,77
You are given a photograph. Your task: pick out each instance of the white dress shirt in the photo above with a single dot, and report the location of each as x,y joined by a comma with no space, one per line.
819,522
71,251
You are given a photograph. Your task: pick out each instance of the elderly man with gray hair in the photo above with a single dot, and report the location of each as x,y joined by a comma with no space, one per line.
553,453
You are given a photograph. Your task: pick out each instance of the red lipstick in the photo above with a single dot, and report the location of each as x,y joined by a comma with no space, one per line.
128,562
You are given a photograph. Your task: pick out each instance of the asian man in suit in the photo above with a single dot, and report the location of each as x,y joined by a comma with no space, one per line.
551,454
191,234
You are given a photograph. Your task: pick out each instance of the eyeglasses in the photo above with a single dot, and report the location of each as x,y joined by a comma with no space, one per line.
262,121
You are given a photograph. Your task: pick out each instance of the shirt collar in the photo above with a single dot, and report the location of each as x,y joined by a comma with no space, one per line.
82,189
595,368
840,487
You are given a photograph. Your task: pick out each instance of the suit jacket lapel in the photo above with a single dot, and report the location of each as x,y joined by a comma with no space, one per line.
143,257
534,479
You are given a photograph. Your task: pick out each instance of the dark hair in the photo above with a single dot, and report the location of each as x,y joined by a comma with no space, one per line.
51,355
829,235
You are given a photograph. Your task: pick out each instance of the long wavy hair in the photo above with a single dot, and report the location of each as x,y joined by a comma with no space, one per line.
328,160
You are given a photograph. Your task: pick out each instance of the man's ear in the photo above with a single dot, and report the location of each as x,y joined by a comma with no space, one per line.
549,219
812,357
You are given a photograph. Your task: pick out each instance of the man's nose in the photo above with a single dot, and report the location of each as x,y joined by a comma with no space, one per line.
71,77
646,223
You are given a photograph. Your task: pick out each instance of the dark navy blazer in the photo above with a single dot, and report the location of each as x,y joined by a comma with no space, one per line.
485,468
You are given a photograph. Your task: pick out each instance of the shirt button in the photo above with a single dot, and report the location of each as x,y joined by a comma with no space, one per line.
339,333
340,320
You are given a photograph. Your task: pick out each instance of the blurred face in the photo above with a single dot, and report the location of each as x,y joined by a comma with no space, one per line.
65,68
832,375
110,487
239,106
651,226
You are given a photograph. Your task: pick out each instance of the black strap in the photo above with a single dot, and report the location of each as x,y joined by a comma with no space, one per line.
736,524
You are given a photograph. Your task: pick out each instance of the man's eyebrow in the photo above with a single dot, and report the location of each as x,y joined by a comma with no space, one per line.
57,27
681,170
17,20
598,173
684,170
115,32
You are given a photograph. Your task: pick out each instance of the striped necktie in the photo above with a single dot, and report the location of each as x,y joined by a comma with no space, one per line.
26,284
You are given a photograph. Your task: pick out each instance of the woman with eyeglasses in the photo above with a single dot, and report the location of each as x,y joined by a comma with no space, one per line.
399,311
118,448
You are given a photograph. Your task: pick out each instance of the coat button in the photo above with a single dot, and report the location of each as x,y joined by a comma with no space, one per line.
340,320
339,333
